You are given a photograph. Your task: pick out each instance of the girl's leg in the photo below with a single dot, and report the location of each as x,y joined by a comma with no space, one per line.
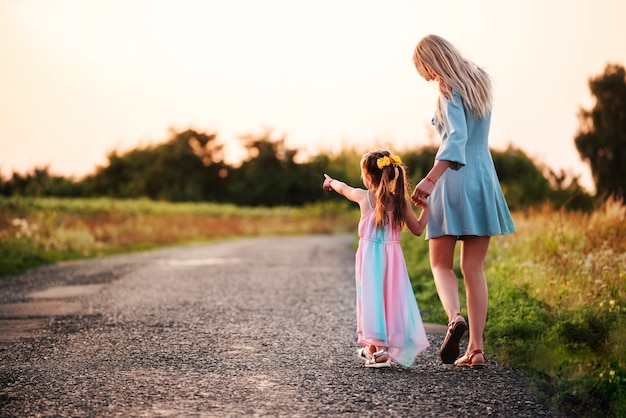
442,263
473,253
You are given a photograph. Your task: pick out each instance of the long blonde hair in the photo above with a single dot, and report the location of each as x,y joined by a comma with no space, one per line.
390,187
433,54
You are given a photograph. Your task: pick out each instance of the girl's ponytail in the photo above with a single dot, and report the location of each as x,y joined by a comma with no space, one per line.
399,195
388,179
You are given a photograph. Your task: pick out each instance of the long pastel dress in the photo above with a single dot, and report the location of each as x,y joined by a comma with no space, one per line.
467,199
387,312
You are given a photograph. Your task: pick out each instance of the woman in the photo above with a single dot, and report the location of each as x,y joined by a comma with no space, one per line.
467,203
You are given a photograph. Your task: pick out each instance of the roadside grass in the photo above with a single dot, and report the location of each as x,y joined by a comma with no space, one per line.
557,286
35,232
557,304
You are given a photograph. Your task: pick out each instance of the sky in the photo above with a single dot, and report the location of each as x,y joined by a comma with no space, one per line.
81,78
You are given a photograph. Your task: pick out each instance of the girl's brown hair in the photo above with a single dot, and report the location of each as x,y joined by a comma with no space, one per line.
390,187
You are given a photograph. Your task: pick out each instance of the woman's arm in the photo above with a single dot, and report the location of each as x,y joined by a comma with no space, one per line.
453,132
451,153
425,187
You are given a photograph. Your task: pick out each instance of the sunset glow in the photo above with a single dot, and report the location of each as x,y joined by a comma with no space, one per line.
79,78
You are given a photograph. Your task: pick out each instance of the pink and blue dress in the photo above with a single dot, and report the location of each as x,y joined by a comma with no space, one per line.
387,312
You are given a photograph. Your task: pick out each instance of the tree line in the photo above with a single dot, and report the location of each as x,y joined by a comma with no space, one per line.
190,167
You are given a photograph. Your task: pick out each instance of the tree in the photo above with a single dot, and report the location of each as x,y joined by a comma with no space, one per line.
270,176
188,167
123,177
601,140
39,182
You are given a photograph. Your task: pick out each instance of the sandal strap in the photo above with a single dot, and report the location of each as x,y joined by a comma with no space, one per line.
451,323
380,353
364,352
473,353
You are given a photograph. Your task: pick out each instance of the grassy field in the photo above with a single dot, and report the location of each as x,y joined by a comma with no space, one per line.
35,232
557,286
557,304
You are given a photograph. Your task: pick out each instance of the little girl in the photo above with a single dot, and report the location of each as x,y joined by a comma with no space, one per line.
389,324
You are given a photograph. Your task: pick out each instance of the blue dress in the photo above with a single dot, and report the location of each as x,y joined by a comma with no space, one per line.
467,199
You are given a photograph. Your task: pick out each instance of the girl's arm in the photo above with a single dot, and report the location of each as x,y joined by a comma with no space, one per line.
351,193
414,224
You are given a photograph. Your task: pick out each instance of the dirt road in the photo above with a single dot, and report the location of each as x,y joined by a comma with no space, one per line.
251,327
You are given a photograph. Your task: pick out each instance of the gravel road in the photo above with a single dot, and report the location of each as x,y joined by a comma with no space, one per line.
251,327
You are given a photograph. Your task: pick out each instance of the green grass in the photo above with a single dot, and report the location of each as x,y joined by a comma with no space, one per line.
35,232
557,291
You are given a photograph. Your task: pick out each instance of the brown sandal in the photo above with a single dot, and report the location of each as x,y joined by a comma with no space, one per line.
450,348
466,360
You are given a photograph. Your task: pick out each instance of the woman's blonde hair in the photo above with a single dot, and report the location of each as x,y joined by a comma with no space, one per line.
433,54
390,186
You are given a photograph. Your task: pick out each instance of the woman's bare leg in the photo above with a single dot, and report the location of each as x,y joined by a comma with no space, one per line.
446,282
442,263
473,253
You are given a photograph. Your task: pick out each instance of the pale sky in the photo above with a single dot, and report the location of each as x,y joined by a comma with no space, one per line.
79,78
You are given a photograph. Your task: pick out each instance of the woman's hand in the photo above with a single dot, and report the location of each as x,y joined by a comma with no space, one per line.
423,189
421,202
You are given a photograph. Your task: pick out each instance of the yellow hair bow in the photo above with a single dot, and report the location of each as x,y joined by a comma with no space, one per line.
385,161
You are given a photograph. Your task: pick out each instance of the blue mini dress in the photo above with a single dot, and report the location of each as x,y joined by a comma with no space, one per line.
468,198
